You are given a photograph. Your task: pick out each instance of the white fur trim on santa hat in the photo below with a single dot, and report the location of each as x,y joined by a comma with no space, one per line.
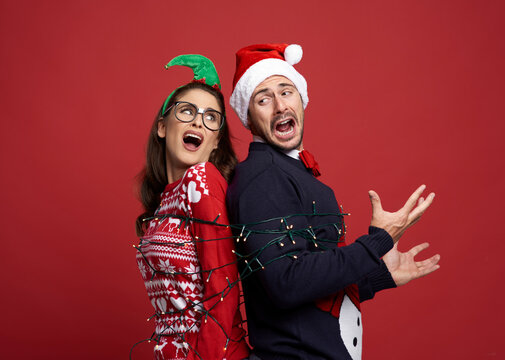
258,72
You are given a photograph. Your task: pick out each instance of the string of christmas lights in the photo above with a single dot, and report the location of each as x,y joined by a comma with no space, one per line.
277,228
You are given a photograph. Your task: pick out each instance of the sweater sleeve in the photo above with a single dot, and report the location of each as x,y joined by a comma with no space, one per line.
295,275
217,337
377,280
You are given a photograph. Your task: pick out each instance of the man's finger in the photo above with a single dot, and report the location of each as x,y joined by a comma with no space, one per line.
419,210
375,201
411,202
428,270
418,248
428,262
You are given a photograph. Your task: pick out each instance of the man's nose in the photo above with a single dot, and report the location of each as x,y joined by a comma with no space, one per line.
279,105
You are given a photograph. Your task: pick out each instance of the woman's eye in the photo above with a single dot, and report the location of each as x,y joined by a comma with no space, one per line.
210,117
187,111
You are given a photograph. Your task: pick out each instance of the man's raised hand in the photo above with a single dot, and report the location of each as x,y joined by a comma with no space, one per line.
396,223
404,268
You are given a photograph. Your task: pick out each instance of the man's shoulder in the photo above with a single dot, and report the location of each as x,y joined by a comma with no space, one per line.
256,162
262,163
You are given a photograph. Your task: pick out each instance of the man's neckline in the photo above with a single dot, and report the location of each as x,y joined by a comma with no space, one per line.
294,154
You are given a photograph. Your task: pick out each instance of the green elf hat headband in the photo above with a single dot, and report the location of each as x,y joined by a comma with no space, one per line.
203,69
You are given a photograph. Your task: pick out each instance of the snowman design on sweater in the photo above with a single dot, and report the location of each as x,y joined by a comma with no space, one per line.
345,305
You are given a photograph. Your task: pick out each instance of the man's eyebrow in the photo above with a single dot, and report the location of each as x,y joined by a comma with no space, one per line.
260,91
267,89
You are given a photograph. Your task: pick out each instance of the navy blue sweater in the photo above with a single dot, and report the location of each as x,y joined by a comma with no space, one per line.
283,320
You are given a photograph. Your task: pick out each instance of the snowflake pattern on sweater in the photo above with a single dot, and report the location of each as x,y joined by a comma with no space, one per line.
181,292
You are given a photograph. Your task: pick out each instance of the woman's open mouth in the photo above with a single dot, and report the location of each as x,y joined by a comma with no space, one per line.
192,140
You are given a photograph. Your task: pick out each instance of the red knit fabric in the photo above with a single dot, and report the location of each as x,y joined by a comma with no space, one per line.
250,55
183,299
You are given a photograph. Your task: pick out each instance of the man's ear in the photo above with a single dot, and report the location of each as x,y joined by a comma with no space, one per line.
250,125
161,128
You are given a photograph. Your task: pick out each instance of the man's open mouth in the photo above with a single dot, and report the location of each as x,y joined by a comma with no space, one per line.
285,127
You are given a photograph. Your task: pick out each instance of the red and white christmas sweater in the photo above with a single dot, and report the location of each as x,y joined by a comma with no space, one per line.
197,311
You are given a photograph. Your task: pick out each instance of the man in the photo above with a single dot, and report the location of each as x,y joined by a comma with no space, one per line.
302,286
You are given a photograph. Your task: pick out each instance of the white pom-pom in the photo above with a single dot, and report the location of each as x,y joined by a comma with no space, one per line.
293,54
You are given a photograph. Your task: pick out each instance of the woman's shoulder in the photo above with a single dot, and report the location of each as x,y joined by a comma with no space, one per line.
204,170
206,179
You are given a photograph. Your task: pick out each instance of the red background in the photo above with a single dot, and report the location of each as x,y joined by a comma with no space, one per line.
401,93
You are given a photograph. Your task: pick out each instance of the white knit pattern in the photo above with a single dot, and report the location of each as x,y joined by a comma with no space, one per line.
174,293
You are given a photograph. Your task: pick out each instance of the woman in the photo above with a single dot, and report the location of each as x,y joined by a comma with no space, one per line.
185,253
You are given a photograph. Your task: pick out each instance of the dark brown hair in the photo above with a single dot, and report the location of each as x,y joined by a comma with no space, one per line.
153,178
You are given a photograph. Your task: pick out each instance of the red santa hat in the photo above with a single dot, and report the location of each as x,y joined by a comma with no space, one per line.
255,63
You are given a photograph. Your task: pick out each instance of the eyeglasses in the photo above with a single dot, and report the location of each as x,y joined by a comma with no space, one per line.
186,112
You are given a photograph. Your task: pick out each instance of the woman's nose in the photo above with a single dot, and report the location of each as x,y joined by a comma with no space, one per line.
198,120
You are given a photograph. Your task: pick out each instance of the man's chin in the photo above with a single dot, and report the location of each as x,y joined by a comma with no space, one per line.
286,145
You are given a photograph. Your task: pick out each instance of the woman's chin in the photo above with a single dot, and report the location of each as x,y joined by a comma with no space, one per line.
192,159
